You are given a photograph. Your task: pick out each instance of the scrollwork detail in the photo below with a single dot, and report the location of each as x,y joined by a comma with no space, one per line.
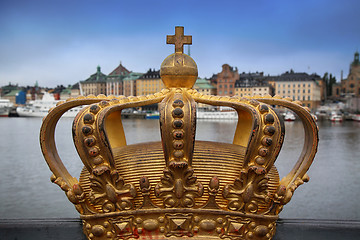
110,191
178,186
248,190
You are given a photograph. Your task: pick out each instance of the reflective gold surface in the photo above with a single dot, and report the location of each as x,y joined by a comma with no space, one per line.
179,187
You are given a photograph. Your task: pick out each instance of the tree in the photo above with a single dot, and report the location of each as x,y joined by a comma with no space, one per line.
329,81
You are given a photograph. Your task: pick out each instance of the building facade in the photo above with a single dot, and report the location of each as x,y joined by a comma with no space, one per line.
129,84
252,84
225,80
95,84
114,81
204,86
251,88
299,87
350,86
149,83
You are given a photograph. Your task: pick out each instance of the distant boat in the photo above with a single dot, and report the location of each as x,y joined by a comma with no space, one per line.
336,117
224,113
356,117
289,116
153,115
5,107
40,108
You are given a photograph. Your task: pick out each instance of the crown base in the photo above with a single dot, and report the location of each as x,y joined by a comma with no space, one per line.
177,223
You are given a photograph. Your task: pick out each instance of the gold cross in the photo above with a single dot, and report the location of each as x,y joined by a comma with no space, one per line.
179,39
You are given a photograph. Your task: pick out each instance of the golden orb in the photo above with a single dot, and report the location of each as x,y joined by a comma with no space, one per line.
179,71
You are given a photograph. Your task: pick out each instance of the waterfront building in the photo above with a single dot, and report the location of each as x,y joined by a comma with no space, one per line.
225,80
350,86
75,90
129,83
149,83
12,95
246,87
251,84
72,91
95,84
114,81
204,86
299,87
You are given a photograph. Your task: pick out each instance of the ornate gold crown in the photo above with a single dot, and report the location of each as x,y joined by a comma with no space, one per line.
178,187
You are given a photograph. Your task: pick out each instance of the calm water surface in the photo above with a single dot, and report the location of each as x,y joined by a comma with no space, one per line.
26,191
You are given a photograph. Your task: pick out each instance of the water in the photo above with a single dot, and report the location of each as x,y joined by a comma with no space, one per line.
26,190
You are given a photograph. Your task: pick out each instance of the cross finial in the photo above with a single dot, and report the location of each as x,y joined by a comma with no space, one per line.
179,39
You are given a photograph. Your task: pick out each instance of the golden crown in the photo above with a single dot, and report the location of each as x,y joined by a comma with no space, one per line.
178,187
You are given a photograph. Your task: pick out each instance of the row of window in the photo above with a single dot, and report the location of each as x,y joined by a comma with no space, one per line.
225,92
294,91
253,89
294,85
225,86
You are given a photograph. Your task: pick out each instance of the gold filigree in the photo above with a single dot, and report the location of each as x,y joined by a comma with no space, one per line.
109,190
248,190
178,186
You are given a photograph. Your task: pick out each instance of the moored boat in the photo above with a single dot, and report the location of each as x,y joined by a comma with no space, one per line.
152,115
5,106
289,116
356,117
40,108
336,117
223,113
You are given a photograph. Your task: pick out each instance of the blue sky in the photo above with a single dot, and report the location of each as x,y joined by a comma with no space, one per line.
61,42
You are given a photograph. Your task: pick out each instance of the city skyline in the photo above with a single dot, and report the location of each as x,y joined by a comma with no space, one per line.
62,42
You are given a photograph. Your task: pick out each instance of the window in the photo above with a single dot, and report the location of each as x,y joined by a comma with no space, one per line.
309,98
309,91
220,86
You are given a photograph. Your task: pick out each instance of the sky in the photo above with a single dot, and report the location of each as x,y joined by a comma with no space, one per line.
56,42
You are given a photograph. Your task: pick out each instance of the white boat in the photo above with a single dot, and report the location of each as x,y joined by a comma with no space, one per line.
5,106
336,117
356,117
40,108
223,113
289,116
